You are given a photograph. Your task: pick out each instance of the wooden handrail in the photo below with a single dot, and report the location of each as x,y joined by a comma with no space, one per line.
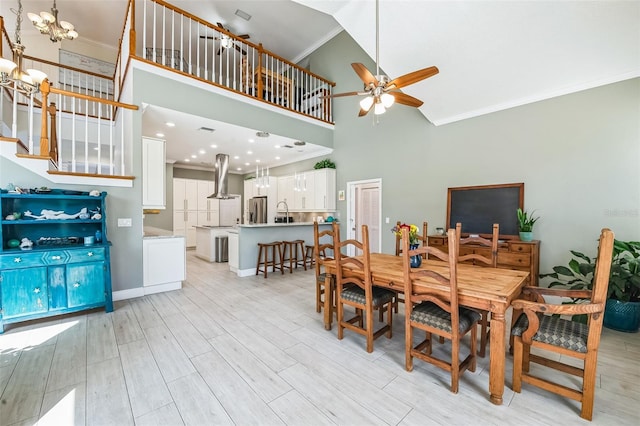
92,98
56,64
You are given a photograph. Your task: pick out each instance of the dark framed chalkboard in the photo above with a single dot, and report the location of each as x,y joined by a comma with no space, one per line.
479,207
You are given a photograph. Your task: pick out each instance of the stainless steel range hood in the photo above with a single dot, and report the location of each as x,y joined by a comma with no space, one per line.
221,174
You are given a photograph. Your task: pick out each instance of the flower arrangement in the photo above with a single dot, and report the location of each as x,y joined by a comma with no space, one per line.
413,232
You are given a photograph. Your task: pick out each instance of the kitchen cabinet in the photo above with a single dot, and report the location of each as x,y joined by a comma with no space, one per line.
270,191
324,190
310,191
304,192
208,208
185,209
153,173
59,273
234,253
285,192
164,263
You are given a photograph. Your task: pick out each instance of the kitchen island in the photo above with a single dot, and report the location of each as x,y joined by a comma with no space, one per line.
206,248
163,260
248,237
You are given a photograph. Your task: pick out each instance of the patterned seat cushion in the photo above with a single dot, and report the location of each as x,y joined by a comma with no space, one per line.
323,276
556,331
431,314
356,294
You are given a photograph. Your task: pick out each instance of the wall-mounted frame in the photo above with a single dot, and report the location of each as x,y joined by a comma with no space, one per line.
479,207
341,195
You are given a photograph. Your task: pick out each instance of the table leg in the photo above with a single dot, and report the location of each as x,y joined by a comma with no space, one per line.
328,299
497,358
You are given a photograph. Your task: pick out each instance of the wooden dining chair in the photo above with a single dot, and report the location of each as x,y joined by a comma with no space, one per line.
541,326
323,243
434,309
422,238
354,287
471,256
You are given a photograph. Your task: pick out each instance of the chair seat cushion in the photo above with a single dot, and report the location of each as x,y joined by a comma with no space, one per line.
429,313
380,296
323,276
556,331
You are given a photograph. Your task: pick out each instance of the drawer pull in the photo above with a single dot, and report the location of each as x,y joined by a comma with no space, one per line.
76,285
90,254
36,290
17,259
56,257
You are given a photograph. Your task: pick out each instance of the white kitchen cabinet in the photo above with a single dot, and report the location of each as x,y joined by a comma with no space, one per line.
208,208
304,195
285,192
325,190
153,173
234,254
164,263
185,209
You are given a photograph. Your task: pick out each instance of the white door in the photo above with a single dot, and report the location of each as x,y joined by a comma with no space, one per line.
364,207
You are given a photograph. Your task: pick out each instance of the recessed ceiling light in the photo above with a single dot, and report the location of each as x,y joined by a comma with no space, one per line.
247,164
257,161
214,146
252,140
170,124
239,168
194,156
236,157
249,152
202,151
186,160
277,158
160,135
277,146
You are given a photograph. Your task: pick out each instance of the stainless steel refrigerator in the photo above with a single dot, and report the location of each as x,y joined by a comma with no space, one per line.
258,210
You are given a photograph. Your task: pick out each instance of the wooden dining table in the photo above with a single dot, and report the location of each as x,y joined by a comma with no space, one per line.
491,289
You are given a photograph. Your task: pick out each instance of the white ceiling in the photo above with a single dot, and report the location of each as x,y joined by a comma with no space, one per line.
492,55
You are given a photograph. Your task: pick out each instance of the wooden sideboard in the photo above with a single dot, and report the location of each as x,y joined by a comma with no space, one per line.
512,254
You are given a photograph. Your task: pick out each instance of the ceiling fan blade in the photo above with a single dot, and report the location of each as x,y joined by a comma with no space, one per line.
244,36
364,112
244,52
339,95
412,77
364,74
404,99
209,37
219,51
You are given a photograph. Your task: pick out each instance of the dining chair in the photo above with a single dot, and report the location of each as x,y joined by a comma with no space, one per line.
354,287
323,243
471,256
434,309
423,240
541,326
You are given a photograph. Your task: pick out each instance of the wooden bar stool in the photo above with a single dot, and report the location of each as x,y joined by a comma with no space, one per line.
309,259
290,254
267,259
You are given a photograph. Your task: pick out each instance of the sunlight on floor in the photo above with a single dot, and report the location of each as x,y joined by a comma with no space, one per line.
63,413
24,340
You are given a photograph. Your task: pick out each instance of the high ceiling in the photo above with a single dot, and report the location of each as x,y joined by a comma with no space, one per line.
492,55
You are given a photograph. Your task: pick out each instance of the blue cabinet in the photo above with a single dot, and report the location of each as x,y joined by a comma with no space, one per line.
59,273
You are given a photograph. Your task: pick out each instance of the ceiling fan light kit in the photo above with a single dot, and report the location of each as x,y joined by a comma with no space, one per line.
379,89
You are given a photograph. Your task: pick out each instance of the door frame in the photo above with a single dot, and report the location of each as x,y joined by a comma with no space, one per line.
351,208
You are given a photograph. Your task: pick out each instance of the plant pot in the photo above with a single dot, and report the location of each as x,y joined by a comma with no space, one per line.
416,261
622,316
526,236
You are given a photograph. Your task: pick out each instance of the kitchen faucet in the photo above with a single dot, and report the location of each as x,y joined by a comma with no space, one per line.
286,206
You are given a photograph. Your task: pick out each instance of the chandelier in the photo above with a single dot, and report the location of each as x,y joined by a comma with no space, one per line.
48,23
11,73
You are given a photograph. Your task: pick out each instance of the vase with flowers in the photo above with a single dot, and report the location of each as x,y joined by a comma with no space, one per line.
416,261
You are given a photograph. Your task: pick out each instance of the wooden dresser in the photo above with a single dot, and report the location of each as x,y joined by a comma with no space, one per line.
512,254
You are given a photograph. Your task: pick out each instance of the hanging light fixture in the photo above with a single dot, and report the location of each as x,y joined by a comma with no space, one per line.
48,23
11,73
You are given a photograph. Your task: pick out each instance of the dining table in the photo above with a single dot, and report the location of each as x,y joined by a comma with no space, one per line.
483,288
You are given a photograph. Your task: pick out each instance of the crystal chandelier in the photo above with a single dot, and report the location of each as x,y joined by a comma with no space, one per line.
47,23
11,73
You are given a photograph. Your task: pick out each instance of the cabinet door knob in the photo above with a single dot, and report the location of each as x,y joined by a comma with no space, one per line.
76,285
90,254
17,259
56,257
36,290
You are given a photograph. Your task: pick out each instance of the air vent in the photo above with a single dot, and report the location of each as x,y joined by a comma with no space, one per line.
207,129
288,146
262,134
299,143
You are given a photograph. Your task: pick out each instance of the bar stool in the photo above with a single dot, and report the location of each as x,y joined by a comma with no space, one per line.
309,258
290,254
267,259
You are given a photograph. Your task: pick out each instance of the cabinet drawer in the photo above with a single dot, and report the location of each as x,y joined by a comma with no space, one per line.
86,255
514,259
520,248
21,260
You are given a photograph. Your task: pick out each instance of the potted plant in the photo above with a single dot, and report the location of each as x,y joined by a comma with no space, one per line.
325,164
525,225
622,310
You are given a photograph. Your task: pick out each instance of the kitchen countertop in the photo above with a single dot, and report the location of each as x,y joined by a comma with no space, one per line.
151,232
280,225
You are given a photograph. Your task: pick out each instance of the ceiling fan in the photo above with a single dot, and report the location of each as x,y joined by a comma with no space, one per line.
380,90
226,42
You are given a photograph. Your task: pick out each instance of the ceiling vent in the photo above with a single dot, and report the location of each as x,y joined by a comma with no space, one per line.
288,146
299,143
207,129
262,134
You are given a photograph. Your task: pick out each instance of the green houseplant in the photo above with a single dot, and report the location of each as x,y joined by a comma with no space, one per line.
325,164
622,311
525,224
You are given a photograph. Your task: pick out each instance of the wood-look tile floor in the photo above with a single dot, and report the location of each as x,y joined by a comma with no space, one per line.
225,350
